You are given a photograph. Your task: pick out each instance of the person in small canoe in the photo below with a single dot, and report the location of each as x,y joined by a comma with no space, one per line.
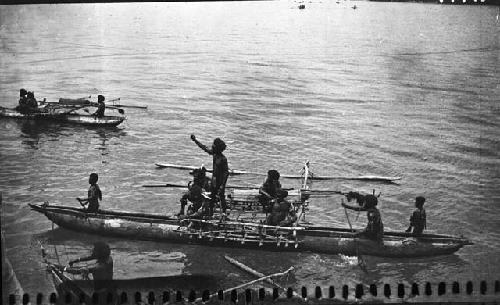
23,97
195,191
101,270
375,228
101,107
220,171
94,195
269,190
282,212
27,102
418,220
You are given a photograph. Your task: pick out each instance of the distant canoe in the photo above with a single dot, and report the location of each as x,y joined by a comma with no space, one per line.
71,118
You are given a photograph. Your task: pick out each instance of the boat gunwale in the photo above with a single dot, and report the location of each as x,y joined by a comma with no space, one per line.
300,230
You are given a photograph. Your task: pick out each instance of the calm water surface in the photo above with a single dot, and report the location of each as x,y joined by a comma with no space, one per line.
386,89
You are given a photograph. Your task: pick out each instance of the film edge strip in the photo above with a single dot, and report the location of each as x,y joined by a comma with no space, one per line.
470,292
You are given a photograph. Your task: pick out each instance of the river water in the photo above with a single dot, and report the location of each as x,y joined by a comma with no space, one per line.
394,89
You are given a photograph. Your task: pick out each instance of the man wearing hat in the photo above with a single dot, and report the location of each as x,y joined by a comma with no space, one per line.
100,106
220,171
418,220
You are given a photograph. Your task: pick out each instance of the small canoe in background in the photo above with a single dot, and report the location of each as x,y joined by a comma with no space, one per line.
71,118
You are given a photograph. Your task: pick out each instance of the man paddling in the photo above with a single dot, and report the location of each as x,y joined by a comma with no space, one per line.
418,220
101,270
375,228
93,196
269,190
220,171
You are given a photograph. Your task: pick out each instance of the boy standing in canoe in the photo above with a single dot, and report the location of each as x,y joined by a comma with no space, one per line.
418,220
94,195
220,171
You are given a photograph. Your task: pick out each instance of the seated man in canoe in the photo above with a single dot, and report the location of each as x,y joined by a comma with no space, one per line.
27,102
93,196
194,195
282,211
269,189
375,228
418,220
101,107
101,270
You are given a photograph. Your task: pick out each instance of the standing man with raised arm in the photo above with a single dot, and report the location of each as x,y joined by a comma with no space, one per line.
220,171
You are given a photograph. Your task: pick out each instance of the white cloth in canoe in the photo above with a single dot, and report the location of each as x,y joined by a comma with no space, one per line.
252,195
75,101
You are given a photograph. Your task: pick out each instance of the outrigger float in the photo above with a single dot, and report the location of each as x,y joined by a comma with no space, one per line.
234,172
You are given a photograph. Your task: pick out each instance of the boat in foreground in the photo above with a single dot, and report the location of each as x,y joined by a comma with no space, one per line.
82,290
73,118
246,234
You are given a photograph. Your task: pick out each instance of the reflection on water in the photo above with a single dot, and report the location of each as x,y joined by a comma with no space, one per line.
32,131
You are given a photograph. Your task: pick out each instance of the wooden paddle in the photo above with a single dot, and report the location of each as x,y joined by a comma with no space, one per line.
126,106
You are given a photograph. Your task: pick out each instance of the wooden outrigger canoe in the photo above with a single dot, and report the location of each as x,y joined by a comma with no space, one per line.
213,232
65,117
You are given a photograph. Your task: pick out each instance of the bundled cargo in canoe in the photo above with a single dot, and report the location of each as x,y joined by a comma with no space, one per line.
252,235
72,118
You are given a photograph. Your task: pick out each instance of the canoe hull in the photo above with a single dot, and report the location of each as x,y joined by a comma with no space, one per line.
303,239
71,118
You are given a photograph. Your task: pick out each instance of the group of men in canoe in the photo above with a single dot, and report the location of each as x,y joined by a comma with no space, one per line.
29,105
272,197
